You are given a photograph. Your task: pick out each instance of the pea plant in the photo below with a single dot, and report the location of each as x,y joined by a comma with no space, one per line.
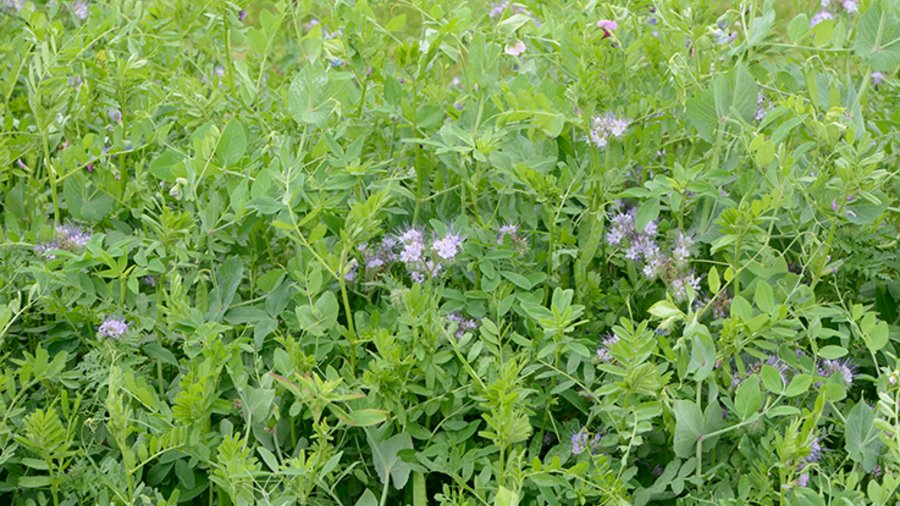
455,253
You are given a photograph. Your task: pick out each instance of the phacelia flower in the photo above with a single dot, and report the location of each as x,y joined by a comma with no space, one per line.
844,368
680,286
80,9
603,352
681,251
819,17
604,126
580,441
113,327
850,5
68,237
463,324
877,78
515,49
242,15
448,246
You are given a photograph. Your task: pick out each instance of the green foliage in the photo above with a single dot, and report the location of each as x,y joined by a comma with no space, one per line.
460,253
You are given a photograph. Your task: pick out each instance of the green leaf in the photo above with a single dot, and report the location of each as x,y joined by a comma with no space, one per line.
798,27
232,144
703,350
647,212
799,385
713,281
367,417
387,463
517,279
367,499
748,398
701,112
506,497
689,424
832,352
764,297
861,437
878,38
772,379
229,277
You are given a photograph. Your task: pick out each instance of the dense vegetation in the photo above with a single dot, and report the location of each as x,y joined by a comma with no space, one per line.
390,252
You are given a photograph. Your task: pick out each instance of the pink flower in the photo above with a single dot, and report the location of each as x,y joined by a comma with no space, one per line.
607,26
515,49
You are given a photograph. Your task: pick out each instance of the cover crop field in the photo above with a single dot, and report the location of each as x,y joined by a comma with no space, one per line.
449,252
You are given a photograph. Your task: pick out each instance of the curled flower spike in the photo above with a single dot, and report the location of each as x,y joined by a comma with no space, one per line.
448,246
463,324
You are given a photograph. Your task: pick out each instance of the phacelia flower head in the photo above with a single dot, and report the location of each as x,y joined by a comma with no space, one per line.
68,237
605,126
877,78
113,327
463,324
580,441
680,286
844,368
850,5
80,9
604,350
448,246
819,17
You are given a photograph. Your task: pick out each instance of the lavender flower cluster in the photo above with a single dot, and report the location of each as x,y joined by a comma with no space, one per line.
641,247
605,126
849,6
68,237
814,453
113,328
844,368
463,324
603,351
582,441
762,106
422,261
511,233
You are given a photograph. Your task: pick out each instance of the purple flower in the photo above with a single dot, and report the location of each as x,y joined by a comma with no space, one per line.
877,78
242,15
602,127
579,441
113,328
803,480
850,5
114,115
608,26
448,246
463,324
80,9
682,249
75,82
497,9
89,167
680,286
507,230
844,368
815,449
413,242
603,351
149,281
68,237
819,17
353,267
